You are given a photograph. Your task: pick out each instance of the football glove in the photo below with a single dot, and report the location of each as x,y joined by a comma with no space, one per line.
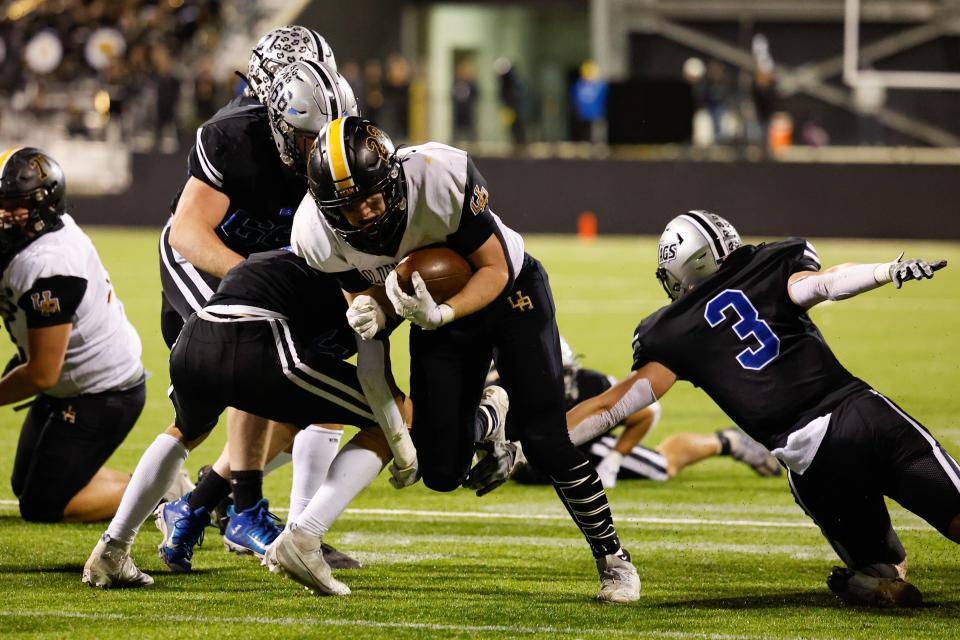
419,308
500,461
912,269
405,477
366,317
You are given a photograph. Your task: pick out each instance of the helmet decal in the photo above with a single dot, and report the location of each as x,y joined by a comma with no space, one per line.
339,166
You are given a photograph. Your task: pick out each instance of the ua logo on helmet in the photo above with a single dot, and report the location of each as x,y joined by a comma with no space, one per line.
668,251
375,142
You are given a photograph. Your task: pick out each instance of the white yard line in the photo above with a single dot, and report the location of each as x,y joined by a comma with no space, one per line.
674,520
375,624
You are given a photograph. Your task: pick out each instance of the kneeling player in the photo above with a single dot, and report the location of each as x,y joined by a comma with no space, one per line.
78,354
738,328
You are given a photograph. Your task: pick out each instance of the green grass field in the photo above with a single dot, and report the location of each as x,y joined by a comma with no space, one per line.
722,553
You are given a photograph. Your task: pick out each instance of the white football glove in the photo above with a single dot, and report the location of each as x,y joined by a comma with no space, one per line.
419,308
405,477
366,317
900,270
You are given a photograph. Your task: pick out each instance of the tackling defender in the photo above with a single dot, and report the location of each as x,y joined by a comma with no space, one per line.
77,352
239,199
370,206
738,328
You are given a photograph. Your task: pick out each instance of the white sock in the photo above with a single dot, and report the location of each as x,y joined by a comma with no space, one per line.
278,461
158,467
352,471
314,449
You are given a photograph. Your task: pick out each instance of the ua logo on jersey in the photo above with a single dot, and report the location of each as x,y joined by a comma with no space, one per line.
45,304
478,202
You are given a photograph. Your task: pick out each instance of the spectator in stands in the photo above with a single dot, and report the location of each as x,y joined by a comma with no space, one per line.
716,96
206,92
764,94
372,102
511,99
465,93
395,116
167,86
589,95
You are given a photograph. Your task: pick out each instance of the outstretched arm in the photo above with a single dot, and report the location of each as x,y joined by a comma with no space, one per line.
599,414
809,288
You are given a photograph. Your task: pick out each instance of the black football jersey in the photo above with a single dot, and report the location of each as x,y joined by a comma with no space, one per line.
590,383
740,337
281,281
234,153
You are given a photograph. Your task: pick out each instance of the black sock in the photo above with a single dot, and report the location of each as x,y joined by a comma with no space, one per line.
247,488
211,490
582,494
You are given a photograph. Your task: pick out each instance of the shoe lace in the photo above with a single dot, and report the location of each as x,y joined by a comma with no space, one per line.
265,526
189,531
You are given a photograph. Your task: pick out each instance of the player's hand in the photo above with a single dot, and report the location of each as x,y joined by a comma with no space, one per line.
404,477
366,317
419,308
912,269
500,461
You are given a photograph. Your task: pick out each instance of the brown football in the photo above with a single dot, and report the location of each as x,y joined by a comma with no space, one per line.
443,270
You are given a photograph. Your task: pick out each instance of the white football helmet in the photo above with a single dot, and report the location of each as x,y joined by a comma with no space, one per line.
280,47
304,98
691,249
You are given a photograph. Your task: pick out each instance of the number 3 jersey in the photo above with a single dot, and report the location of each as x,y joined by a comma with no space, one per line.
740,337
58,279
447,202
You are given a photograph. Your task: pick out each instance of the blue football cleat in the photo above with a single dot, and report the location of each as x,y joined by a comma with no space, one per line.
182,529
251,530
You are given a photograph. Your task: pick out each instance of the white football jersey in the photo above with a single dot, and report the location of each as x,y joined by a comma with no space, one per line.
58,278
447,198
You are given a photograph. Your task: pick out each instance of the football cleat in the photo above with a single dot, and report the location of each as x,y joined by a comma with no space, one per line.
251,530
298,555
495,403
220,512
338,559
111,567
182,529
609,468
745,449
859,589
619,582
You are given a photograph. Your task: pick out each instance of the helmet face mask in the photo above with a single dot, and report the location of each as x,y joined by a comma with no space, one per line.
30,180
692,248
352,161
280,47
304,98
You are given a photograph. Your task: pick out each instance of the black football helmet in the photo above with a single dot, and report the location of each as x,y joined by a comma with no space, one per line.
351,160
31,180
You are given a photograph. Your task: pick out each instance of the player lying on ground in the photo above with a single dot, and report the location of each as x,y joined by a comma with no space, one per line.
624,458
371,206
78,356
738,328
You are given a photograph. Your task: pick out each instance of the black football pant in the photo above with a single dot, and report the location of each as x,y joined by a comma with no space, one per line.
447,373
64,442
185,289
261,367
874,449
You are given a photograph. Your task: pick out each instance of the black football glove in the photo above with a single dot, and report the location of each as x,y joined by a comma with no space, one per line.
499,462
913,269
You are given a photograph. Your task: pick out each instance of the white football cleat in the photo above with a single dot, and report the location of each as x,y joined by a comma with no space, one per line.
110,567
299,555
859,589
619,582
496,402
